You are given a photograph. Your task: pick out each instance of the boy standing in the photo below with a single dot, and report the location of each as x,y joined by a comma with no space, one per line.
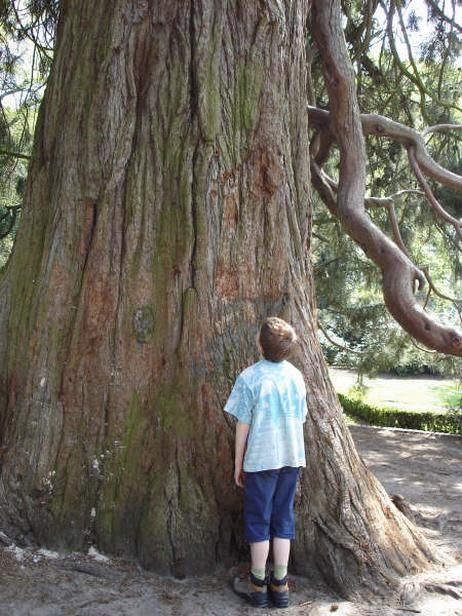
269,402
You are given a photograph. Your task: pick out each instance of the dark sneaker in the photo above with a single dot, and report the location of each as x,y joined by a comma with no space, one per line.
253,590
278,591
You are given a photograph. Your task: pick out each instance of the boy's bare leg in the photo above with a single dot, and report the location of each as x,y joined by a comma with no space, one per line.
281,551
258,556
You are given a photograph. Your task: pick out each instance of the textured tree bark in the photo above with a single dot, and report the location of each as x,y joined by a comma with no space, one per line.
167,212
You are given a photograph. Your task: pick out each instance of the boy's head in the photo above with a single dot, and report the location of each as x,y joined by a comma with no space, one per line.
276,339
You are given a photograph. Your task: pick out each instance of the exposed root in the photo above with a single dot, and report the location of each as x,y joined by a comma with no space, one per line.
437,522
92,569
401,503
444,589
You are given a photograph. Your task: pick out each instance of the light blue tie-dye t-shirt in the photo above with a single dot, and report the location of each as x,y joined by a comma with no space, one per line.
271,397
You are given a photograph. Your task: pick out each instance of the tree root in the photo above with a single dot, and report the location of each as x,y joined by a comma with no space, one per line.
90,569
402,504
411,592
444,589
437,522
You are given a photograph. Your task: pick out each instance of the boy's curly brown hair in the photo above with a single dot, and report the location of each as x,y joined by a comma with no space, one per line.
277,339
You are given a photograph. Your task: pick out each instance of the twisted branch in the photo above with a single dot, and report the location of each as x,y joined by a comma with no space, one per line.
441,128
457,303
388,203
375,124
436,205
348,126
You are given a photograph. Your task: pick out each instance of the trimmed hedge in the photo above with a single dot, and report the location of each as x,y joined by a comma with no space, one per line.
449,422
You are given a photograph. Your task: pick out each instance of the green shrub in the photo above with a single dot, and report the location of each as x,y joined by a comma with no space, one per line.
397,418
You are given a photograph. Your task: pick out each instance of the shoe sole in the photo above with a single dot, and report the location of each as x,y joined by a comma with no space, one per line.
246,596
278,601
280,604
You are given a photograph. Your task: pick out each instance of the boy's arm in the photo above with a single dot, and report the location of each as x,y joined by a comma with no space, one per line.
242,430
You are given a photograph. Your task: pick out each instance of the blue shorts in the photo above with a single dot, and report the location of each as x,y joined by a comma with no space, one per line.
269,504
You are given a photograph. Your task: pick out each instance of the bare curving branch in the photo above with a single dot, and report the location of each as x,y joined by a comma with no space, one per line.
436,205
336,344
374,124
329,187
389,205
400,275
420,160
441,128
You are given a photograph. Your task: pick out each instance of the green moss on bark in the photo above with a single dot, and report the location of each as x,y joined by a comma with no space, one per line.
249,88
121,469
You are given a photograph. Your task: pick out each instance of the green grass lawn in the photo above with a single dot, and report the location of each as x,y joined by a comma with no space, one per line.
408,393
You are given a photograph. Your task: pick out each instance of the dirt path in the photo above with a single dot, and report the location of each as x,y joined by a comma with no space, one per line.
423,468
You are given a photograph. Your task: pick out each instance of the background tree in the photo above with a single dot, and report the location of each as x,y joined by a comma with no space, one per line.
26,44
167,211
416,91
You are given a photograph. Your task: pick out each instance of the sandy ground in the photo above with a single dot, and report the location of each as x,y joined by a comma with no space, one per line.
422,467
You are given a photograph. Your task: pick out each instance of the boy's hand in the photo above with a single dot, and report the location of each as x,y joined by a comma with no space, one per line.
239,477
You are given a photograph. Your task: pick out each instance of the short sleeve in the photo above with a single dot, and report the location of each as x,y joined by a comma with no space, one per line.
303,405
303,408
240,401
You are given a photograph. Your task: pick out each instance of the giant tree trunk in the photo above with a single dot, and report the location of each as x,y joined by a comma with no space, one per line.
167,212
